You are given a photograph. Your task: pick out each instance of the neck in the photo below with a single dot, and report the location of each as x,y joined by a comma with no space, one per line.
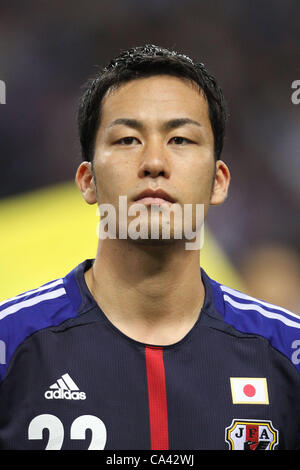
152,293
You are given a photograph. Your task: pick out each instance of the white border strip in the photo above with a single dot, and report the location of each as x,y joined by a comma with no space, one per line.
265,313
33,291
266,304
33,301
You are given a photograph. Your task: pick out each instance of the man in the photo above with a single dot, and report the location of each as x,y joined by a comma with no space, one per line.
139,348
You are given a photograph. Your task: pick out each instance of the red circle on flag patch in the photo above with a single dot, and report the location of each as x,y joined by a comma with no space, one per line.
249,390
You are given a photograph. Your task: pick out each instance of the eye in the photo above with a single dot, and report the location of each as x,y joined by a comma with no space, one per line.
127,141
181,141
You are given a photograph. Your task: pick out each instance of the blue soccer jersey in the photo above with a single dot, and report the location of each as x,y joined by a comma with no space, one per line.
71,380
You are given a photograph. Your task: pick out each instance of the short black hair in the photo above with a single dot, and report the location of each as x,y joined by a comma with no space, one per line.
141,62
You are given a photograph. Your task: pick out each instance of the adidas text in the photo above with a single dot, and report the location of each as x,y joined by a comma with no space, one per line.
64,394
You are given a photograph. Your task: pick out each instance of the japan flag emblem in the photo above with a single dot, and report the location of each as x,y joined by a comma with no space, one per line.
249,390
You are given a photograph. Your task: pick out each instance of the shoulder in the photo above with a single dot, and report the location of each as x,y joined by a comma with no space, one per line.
33,310
254,316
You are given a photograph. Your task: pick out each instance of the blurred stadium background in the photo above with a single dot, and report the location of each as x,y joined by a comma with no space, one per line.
47,51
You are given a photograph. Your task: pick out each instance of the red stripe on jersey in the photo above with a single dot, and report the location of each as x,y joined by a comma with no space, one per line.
252,435
158,412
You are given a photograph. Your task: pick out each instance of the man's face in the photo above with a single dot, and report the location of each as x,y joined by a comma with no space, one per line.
155,133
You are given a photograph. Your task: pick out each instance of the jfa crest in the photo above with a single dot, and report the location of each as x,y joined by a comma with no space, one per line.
244,434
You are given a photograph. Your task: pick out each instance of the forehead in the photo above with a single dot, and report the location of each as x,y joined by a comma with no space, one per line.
160,97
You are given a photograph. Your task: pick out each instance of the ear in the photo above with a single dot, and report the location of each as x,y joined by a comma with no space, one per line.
85,182
221,183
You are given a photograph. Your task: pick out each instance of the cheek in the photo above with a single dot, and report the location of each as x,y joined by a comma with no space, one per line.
197,184
112,180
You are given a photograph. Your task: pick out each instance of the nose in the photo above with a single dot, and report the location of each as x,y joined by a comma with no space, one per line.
154,161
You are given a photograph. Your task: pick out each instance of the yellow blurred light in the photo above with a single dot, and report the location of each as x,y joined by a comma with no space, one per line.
46,233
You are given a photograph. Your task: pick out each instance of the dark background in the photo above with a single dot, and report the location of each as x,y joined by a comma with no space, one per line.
49,48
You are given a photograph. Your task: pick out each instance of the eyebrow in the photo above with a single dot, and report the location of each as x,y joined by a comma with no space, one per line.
168,125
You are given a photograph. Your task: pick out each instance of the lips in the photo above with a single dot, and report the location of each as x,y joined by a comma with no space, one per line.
149,196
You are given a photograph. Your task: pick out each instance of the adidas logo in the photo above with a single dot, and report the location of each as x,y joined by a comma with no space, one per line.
64,388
